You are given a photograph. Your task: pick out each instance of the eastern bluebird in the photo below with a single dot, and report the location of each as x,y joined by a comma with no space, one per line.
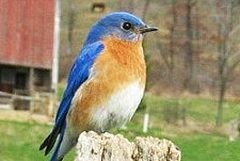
106,82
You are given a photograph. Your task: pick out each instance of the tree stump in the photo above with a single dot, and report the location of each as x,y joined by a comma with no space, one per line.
108,147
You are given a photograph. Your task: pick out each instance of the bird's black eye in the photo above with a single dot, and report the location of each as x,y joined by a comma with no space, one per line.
127,26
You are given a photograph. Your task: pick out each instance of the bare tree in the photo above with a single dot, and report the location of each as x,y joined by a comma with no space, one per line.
172,37
228,52
189,46
169,53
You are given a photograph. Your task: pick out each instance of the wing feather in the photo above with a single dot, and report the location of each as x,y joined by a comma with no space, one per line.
79,74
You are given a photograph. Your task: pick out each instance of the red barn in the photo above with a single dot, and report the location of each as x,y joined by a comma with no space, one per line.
29,45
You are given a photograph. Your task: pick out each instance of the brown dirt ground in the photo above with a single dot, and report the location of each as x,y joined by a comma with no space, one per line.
24,116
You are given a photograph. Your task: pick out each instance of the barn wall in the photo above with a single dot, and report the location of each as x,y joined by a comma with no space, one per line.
26,32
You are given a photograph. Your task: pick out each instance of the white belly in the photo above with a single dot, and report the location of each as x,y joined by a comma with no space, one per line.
118,109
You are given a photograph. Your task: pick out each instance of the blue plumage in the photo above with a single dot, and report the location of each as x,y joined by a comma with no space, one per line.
78,74
109,26
121,25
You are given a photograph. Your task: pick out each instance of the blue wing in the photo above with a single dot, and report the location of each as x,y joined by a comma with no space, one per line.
78,75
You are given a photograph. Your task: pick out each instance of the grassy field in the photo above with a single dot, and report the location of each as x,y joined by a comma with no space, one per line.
22,139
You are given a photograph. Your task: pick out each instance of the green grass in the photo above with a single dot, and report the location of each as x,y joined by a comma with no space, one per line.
22,139
199,109
208,148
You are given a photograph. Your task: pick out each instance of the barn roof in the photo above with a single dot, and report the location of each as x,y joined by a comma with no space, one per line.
26,32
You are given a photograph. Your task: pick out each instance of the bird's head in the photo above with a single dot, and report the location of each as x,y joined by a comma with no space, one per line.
121,25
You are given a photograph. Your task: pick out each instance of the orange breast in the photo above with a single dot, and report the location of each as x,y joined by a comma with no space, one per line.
120,64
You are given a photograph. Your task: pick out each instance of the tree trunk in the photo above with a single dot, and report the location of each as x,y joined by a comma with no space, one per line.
222,88
222,59
226,48
172,38
189,51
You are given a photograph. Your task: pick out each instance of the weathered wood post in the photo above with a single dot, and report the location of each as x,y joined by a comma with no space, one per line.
109,147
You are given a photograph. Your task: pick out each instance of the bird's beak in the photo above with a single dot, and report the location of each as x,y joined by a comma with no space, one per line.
147,29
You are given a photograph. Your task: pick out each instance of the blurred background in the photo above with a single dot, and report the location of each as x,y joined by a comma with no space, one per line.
193,90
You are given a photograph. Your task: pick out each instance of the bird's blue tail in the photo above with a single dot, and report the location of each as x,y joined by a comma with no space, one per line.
51,139
59,142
